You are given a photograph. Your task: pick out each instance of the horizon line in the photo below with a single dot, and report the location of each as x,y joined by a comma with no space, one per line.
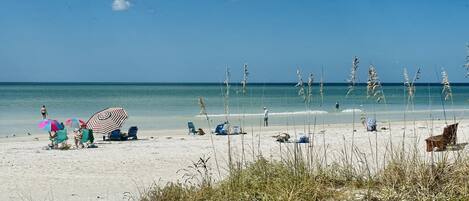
214,83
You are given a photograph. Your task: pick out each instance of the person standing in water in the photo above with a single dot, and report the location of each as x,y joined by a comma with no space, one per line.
266,117
337,105
44,112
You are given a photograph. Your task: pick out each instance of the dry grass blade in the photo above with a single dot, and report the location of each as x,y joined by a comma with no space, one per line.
353,76
446,91
203,111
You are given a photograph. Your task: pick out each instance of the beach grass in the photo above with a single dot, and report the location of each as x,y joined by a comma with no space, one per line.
405,177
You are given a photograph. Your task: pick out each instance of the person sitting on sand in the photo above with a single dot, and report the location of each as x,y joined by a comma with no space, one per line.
77,136
200,132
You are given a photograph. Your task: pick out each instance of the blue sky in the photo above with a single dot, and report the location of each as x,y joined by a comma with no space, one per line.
193,41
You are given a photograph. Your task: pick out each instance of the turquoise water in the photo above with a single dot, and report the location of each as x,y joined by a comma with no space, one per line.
169,106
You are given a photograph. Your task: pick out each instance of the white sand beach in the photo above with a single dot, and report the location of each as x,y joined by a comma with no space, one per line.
120,170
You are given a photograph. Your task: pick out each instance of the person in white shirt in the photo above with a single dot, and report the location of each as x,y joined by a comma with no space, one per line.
266,117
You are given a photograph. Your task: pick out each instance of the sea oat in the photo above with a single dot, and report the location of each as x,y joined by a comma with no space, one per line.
446,91
321,89
410,84
373,88
353,76
245,78
467,60
227,82
310,87
300,85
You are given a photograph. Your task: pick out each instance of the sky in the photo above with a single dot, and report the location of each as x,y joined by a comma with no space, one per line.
194,41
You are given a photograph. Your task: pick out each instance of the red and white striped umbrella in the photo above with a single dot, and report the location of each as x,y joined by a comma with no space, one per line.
107,120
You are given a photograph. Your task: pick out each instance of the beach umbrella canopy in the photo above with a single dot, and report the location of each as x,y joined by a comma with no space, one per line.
74,122
50,125
107,120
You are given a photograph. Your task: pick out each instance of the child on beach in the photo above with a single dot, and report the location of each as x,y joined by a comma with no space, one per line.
77,136
52,136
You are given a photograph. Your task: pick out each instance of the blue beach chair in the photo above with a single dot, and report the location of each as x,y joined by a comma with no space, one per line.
132,134
221,129
116,135
191,127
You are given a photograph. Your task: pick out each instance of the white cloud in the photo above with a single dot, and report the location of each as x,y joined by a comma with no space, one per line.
120,5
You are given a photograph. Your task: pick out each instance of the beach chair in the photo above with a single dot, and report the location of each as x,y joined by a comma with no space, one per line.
371,124
441,141
61,136
87,136
236,130
191,127
221,129
132,134
116,135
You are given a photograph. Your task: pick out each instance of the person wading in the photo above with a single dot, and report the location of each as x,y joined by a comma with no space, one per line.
266,117
44,112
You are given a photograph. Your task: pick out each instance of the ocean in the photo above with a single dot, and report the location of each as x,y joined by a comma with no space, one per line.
153,106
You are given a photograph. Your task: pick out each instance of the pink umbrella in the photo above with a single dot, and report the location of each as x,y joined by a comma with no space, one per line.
50,125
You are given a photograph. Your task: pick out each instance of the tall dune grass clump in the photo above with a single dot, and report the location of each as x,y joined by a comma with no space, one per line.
352,82
403,178
374,90
410,90
446,93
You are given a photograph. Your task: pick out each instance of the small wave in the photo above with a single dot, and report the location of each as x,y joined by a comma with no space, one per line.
270,114
351,110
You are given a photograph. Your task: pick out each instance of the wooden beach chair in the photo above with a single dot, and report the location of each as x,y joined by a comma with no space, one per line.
448,137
